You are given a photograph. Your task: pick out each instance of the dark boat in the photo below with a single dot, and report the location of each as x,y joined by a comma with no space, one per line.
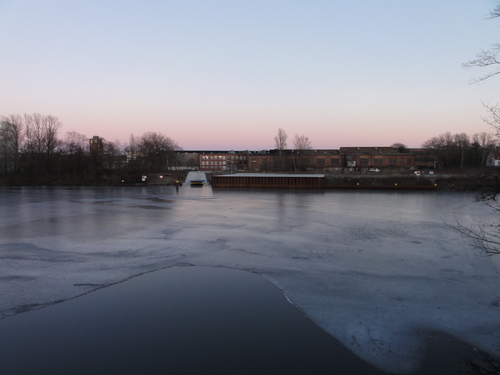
197,182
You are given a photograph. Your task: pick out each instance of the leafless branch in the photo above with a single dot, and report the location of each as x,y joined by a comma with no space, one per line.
494,13
484,59
493,118
484,237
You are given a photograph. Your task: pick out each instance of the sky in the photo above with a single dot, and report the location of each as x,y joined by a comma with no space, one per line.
228,74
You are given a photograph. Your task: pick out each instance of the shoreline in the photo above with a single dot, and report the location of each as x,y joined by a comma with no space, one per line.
361,181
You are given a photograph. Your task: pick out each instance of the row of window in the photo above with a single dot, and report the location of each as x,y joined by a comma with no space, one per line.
332,161
213,163
222,157
380,161
221,160
366,161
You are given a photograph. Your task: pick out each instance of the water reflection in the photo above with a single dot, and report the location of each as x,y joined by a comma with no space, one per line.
178,321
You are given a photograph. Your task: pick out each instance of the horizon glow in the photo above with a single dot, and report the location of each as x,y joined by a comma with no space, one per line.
228,75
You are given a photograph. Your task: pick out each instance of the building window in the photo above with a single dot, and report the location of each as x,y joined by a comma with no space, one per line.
363,161
378,161
335,162
321,161
393,161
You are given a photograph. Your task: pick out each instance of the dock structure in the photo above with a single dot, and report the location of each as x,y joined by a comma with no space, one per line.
315,181
268,180
196,178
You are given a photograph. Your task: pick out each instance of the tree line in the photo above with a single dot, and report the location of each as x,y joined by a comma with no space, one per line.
461,150
32,152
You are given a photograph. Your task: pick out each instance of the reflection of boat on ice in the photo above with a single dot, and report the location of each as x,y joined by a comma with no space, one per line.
197,182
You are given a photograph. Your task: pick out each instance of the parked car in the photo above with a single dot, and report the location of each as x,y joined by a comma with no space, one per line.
373,170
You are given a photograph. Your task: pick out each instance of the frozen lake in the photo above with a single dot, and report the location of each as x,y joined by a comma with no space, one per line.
376,270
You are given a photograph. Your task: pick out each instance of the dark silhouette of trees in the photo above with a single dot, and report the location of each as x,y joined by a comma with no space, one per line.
158,151
41,133
280,140
460,150
399,146
301,144
32,153
74,156
280,144
11,139
40,143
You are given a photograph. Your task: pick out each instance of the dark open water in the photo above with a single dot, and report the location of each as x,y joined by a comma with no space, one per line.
188,320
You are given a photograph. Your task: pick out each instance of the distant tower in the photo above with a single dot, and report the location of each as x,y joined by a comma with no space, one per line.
96,146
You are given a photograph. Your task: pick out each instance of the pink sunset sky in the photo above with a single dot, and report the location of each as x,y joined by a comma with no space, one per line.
229,74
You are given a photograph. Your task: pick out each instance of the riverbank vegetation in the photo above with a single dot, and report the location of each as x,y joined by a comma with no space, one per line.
33,153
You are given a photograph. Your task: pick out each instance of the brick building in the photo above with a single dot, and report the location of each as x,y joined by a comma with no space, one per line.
223,161
96,145
323,161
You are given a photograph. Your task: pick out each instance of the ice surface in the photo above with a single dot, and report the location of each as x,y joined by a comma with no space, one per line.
374,269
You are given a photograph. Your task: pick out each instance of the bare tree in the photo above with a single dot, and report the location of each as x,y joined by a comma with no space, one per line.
400,147
158,150
482,236
484,59
462,142
486,236
485,143
41,142
11,139
301,142
280,143
111,152
74,143
41,133
443,147
280,140
51,126
487,58
495,12
74,149
493,118
132,145
484,140
34,133
457,150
